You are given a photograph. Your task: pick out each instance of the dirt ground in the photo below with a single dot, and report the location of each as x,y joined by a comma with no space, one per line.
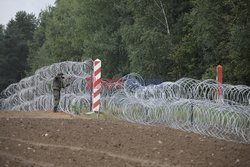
55,139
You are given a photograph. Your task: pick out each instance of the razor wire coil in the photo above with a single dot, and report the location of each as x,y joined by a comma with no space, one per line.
187,104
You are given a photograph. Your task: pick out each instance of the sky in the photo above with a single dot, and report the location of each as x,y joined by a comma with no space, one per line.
8,8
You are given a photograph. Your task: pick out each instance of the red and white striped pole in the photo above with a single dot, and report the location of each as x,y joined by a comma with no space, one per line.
96,95
219,79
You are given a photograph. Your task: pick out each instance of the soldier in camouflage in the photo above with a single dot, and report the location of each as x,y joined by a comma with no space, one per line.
58,84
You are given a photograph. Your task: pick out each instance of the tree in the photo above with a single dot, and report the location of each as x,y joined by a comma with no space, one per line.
205,44
15,43
167,39
38,50
238,65
150,35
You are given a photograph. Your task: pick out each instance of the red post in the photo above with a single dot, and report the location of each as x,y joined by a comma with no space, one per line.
219,80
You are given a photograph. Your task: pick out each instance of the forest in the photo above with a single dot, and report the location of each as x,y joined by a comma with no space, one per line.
166,39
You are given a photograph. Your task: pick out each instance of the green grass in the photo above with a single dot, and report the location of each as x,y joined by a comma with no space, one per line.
186,115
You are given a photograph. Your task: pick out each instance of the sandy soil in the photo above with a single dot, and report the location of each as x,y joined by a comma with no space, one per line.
56,139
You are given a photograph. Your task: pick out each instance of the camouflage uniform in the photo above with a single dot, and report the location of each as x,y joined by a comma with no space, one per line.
58,84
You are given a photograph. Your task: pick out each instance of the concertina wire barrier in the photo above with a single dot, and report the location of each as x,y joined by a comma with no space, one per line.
187,104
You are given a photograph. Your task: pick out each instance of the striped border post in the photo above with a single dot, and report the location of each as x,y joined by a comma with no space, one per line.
219,79
96,95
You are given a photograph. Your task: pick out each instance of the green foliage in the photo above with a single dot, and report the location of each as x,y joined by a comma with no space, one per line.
14,47
39,54
217,33
158,39
76,110
239,44
167,39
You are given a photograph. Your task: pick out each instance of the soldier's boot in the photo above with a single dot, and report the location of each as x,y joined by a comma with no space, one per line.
55,109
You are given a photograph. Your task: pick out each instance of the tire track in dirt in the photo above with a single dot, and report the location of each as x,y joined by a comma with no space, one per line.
24,161
75,148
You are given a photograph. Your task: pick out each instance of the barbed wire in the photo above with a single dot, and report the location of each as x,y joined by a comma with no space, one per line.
187,104
35,93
